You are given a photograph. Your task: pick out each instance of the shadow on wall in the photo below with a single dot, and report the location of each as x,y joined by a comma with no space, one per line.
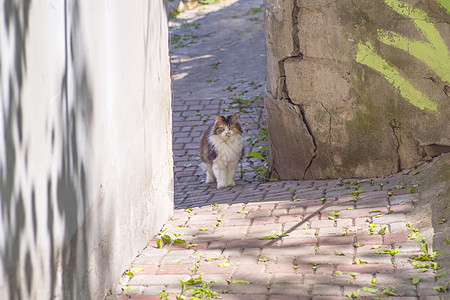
66,196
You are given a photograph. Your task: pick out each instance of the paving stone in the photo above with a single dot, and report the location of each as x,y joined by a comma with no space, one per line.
289,289
287,278
326,290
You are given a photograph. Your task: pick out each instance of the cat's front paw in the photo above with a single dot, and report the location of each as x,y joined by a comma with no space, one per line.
231,183
210,180
221,185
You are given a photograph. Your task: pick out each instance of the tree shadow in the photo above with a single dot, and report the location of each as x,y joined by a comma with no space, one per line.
25,256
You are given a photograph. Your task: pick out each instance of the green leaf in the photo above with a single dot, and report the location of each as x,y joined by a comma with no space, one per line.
435,266
447,240
241,281
389,251
356,245
441,289
256,155
422,270
389,291
440,275
376,246
295,267
415,279
442,221
334,213
382,230
399,187
191,245
353,295
349,208
315,266
179,241
389,193
136,270
263,259
166,239
415,172
414,233
340,253
425,247
420,264
203,228
242,212
411,191
193,280
361,262
158,244
390,212
323,200
225,264
129,287
337,273
374,210
176,261
270,237
353,274
370,290
373,282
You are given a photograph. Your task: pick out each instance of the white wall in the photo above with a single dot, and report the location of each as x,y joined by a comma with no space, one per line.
85,142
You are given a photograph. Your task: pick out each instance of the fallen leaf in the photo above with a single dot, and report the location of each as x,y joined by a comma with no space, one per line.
370,290
361,262
241,281
225,264
415,279
176,261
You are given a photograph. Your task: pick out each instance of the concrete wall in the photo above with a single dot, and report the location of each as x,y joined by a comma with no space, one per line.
85,142
356,88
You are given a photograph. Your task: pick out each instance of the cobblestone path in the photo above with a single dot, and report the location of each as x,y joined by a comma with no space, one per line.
337,239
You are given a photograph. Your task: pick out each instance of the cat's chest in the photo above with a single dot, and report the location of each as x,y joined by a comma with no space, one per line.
229,150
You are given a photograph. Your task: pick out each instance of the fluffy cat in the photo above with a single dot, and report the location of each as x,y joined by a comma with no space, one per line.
221,148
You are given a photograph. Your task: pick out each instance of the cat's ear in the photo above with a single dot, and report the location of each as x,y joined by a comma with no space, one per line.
218,118
234,117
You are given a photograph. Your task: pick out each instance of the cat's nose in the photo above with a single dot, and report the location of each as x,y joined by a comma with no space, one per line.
228,133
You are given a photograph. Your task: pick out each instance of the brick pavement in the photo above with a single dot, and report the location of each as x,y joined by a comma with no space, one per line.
321,238
326,253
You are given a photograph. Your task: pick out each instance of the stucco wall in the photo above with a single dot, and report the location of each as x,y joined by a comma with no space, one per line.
356,88
85,142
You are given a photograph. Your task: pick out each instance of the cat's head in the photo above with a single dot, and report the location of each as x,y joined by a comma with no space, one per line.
227,126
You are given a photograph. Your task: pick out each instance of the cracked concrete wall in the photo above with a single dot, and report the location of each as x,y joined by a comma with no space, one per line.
356,88
86,171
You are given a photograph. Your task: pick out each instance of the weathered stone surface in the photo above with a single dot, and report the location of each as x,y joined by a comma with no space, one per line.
291,144
371,79
280,29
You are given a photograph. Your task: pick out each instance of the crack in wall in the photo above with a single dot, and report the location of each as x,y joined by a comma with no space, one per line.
298,108
282,93
394,125
295,30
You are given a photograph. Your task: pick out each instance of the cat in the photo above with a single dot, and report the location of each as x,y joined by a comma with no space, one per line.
221,148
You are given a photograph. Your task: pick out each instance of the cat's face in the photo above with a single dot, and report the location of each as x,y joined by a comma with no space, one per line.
228,126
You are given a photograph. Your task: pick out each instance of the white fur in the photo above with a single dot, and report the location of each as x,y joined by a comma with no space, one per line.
229,151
